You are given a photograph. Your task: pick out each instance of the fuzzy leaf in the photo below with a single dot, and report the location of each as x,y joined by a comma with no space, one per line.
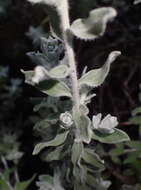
28,76
95,25
38,58
24,184
77,151
84,109
136,111
117,137
136,120
48,2
83,125
96,77
137,1
58,72
92,158
54,155
3,184
58,140
98,183
54,10
54,88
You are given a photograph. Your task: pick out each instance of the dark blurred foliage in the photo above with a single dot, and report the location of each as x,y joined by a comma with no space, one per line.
118,95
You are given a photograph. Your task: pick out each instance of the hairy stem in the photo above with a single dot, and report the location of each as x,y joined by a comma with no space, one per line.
64,13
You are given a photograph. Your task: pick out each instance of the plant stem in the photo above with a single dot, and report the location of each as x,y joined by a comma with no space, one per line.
67,36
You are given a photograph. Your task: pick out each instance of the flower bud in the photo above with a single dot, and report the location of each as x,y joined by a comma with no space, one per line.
66,120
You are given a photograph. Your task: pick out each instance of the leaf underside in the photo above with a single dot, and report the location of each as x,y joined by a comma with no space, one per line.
95,25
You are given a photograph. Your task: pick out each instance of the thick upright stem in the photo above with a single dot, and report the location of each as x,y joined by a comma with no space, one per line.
64,13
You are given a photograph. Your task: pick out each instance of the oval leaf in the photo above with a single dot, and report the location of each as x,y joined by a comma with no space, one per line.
95,25
54,88
93,159
96,77
58,140
77,151
28,76
59,72
83,125
54,155
116,137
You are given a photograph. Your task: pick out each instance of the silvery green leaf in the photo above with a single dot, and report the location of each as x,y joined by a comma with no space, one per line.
136,111
105,125
57,181
35,34
137,1
96,77
116,137
38,58
14,155
3,184
83,125
37,75
40,74
45,182
77,151
79,186
23,184
84,97
55,20
45,128
54,8
58,140
54,155
95,25
54,88
84,109
80,173
28,76
93,159
98,183
58,72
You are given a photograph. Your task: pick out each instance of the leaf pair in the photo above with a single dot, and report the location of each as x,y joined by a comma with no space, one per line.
86,29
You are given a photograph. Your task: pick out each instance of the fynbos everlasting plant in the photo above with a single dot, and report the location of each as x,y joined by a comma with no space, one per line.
68,131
